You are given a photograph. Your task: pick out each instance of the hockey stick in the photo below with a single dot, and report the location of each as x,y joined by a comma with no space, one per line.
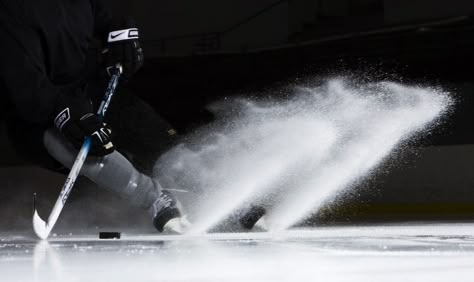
42,228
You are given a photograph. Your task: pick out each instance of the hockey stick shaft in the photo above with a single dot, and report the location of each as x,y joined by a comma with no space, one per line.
42,228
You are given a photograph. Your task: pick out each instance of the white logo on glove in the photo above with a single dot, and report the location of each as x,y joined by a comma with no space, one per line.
62,118
124,34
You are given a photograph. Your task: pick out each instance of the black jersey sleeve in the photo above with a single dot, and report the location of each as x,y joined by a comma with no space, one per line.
102,19
27,87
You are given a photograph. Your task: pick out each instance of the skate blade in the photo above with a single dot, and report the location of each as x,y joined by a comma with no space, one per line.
260,225
177,226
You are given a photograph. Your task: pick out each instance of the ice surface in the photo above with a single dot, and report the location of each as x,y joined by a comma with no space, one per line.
423,252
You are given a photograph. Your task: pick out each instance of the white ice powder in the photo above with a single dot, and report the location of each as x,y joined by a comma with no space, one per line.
293,155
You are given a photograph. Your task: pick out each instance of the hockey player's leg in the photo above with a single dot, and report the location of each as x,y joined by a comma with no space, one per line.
115,173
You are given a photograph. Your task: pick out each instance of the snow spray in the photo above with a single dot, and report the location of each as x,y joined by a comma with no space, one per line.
293,155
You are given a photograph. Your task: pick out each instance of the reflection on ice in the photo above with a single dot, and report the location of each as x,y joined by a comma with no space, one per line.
46,262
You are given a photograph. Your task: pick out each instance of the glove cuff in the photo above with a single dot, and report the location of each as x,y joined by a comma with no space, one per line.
71,107
123,34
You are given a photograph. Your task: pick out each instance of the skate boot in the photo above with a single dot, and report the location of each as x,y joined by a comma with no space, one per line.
251,216
165,210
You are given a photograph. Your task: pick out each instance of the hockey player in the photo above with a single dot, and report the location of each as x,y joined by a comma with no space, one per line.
54,59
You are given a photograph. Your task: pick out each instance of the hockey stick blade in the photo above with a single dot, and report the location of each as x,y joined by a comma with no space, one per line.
40,227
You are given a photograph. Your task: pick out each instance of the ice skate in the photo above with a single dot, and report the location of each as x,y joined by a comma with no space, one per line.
251,216
167,215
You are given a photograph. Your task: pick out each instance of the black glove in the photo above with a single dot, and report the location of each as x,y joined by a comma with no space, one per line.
123,47
76,121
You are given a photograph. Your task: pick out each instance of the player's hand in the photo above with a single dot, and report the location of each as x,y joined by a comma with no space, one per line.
123,47
76,121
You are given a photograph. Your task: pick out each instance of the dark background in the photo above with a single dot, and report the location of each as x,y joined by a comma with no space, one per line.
200,51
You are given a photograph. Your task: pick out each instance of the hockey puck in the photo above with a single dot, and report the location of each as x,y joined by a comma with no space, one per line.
109,235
